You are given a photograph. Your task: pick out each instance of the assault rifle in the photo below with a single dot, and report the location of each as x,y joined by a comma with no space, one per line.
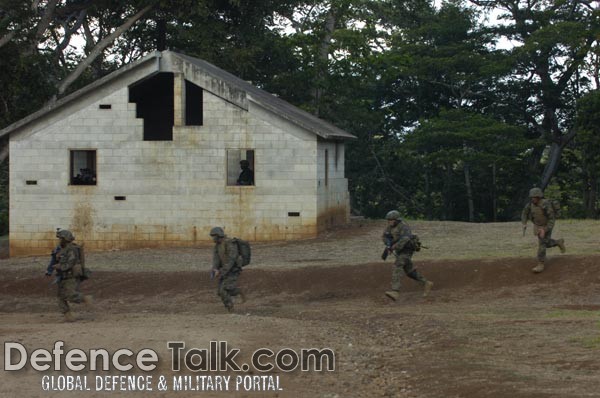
389,241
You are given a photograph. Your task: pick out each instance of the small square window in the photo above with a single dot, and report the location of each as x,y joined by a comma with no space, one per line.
240,167
83,167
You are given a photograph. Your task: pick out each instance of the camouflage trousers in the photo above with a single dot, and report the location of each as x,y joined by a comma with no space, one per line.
228,286
547,242
68,291
405,265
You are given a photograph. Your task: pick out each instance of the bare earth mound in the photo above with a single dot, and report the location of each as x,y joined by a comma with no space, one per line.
490,329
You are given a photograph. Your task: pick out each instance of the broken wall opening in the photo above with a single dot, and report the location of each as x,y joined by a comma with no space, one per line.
154,98
193,104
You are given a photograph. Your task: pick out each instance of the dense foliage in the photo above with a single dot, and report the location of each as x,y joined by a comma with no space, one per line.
459,108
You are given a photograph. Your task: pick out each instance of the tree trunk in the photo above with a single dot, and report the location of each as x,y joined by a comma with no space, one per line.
591,195
428,201
446,212
3,151
469,192
323,59
97,50
494,194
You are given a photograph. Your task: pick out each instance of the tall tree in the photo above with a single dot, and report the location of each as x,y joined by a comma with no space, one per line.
552,41
588,145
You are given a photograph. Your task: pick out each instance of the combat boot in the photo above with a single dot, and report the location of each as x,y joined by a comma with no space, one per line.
69,317
538,268
427,288
561,245
394,295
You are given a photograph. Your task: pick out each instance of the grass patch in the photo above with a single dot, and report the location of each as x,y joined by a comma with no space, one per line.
592,343
574,314
461,240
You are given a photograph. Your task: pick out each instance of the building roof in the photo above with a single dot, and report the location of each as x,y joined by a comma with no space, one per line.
268,101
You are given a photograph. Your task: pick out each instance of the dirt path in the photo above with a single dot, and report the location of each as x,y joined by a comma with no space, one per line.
490,329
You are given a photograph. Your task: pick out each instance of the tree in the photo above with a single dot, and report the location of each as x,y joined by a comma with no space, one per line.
588,145
472,147
552,43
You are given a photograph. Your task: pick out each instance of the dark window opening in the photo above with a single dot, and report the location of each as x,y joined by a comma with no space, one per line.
294,214
83,167
154,98
31,182
193,104
120,198
240,167
105,106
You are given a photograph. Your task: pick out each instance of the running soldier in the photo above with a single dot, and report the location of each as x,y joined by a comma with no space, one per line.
398,239
541,213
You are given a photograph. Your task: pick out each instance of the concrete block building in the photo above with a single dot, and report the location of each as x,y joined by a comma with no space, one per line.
149,156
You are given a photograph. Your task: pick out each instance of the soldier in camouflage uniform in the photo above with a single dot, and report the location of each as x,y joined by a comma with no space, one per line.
541,214
403,249
69,271
227,266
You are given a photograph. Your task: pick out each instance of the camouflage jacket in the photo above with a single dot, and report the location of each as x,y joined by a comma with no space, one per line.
69,258
225,256
541,215
401,234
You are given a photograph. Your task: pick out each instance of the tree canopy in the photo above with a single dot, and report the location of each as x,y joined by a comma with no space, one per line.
460,107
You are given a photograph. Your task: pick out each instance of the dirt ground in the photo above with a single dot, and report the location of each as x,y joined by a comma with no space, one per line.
490,328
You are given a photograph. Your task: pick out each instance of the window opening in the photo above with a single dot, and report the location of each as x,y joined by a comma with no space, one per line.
154,98
240,167
193,104
83,167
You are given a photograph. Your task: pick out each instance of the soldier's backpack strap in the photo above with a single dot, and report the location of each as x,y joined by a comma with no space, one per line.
244,250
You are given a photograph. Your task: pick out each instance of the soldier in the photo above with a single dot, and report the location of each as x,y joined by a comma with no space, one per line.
401,245
246,176
69,272
541,214
227,266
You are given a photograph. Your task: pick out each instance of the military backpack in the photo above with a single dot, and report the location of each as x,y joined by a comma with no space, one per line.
79,270
244,250
555,204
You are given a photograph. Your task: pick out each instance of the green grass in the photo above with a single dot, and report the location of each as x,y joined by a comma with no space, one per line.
574,314
461,240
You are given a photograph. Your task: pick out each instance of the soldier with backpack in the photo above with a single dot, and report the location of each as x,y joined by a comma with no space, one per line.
70,272
542,213
229,256
400,241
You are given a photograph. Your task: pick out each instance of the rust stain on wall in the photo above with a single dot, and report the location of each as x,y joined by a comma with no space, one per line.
332,217
82,224
125,236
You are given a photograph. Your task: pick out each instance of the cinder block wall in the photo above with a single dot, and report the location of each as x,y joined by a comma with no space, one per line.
175,190
333,201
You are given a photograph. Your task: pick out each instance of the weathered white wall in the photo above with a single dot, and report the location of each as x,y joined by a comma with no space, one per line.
175,190
333,202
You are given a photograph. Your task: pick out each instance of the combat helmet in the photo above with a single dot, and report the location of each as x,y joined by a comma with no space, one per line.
65,234
393,215
217,231
536,193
